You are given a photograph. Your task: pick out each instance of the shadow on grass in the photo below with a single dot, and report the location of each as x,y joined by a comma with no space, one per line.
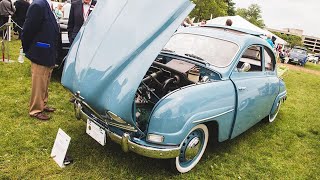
227,146
85,148
57,74
112,154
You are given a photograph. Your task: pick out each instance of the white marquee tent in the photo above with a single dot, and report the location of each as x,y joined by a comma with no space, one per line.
238,21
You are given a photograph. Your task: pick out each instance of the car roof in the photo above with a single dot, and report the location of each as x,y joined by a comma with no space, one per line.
240,30
236,35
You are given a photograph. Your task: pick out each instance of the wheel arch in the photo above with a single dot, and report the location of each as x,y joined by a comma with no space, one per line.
213,128
281,97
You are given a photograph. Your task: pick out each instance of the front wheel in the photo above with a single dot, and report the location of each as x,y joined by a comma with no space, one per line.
191,149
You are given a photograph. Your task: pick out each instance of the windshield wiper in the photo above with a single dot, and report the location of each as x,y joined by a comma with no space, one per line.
168,50
194,56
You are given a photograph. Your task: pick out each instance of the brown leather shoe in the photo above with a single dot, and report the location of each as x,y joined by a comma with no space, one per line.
49,109
41,116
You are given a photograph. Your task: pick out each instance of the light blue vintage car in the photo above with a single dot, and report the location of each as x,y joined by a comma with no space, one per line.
158,91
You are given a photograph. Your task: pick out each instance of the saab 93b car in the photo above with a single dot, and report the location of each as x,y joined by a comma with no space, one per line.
158,91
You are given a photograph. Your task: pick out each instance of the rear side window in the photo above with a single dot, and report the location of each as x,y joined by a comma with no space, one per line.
269,60
252,56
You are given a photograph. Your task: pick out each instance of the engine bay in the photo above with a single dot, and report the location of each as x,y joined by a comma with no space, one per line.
165,75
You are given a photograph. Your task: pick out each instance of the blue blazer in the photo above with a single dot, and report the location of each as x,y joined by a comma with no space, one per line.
40,34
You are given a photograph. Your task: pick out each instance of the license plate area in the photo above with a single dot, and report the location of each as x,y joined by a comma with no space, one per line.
96,132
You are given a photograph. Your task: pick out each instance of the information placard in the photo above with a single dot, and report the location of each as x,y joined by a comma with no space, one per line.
60,147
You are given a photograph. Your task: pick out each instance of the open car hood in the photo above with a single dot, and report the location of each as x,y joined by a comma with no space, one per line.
116,46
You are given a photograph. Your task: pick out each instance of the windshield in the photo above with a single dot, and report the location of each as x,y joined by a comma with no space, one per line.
217,52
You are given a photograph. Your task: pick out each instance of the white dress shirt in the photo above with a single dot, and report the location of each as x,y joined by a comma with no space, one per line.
86,8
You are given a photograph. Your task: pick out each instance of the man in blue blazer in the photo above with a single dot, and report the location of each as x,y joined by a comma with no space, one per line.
79,12
40,36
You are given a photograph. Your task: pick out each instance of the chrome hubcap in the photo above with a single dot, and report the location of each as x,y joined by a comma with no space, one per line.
192,149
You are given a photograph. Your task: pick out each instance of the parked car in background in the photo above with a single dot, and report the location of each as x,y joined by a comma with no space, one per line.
65,44
313,58
63,49
162,93
298,55
317,59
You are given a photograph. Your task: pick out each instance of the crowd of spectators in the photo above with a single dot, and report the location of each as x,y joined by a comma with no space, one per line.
40,33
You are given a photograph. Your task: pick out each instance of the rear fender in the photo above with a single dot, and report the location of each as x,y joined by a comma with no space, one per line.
281,96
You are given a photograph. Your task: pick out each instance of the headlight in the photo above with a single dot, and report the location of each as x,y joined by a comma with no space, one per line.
155,138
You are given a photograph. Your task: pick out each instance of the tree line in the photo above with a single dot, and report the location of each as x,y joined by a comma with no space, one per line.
206,9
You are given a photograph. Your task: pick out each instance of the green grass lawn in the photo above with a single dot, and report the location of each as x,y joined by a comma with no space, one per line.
312,66
289,148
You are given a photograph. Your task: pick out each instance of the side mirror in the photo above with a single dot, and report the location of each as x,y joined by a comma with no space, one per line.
245,67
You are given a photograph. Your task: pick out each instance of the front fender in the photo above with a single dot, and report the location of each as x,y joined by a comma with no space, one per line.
176,114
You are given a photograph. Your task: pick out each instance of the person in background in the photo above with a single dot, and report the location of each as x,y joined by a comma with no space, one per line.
203,22
187,22
273,39
58,11
20,14
6,9
39,38
229,22
269,40
66,9
79,12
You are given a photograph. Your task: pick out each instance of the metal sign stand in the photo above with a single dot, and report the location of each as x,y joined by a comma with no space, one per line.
6,36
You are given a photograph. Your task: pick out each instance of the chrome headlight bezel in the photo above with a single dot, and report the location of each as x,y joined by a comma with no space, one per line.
155,138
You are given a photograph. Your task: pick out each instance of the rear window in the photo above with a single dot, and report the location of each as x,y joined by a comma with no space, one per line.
217,52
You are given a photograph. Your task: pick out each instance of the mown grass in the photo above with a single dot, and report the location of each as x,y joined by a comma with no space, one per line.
312,66
289,148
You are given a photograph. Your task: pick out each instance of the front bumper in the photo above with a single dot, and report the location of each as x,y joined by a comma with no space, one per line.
297,61
126,142
294,60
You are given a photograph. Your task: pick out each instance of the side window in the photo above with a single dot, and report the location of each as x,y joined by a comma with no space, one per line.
252,59
269,60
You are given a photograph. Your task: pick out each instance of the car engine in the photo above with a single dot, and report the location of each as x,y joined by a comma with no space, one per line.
162,78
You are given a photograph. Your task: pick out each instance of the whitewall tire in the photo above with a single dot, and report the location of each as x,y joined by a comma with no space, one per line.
191,149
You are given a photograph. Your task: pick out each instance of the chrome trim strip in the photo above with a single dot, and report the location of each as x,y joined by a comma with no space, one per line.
125,127
201,120
78,103
283,93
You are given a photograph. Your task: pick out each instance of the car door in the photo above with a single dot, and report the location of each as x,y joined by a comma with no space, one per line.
273,80
252,87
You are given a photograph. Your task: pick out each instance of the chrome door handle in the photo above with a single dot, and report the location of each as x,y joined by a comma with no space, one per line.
242,88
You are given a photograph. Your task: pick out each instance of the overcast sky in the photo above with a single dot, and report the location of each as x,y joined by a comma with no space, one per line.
299,14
